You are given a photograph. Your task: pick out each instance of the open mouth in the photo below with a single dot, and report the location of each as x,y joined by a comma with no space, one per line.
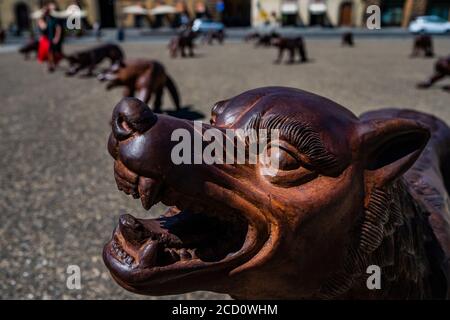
193,235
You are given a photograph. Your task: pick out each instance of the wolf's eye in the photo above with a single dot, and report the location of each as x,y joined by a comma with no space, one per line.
282,159
285,166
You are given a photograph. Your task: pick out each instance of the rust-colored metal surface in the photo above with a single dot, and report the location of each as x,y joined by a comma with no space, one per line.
209,37
348,39
264,40
441,70
184,40
349,193
423,45
142,78
32,45
295,46
90,58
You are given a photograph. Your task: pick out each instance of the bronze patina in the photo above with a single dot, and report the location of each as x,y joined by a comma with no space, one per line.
350,192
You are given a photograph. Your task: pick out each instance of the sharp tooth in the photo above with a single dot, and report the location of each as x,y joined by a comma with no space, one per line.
184,254
148,254
175,255
148,191
193,253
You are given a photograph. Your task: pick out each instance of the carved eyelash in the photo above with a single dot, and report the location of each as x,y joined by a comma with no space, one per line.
299,134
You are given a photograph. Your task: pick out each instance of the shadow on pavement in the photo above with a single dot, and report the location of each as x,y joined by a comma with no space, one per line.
186,112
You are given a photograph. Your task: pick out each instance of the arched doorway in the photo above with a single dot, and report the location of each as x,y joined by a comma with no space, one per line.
346,14
22,15
289,13
318,13
107,13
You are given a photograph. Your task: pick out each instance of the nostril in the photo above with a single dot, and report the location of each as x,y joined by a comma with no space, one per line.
131,115
121,129
123,124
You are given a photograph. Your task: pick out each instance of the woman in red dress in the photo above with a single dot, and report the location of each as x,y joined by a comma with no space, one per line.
44,42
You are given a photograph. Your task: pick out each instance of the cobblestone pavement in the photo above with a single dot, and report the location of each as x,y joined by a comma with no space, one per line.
58,200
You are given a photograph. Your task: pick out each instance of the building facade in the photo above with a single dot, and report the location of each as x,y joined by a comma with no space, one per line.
328,13
308,12
109,12
338,13
17,13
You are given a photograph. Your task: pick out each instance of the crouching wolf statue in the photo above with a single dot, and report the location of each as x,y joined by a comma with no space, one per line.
349,193
144,79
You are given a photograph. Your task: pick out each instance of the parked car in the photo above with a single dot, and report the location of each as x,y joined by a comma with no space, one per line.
429,24
207,25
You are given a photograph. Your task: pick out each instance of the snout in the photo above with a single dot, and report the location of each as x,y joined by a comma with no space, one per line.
131,116
151,151
140,140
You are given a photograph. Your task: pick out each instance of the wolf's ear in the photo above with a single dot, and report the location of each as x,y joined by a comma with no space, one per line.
389,147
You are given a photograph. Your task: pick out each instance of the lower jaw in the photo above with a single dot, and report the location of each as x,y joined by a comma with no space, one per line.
160,280
211,280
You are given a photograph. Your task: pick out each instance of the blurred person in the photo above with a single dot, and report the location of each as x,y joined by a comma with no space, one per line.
50,42
201,11
183,16
97,30
44,43
121,33
185,19
55,33
263,15
220,9
139,18
274,20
